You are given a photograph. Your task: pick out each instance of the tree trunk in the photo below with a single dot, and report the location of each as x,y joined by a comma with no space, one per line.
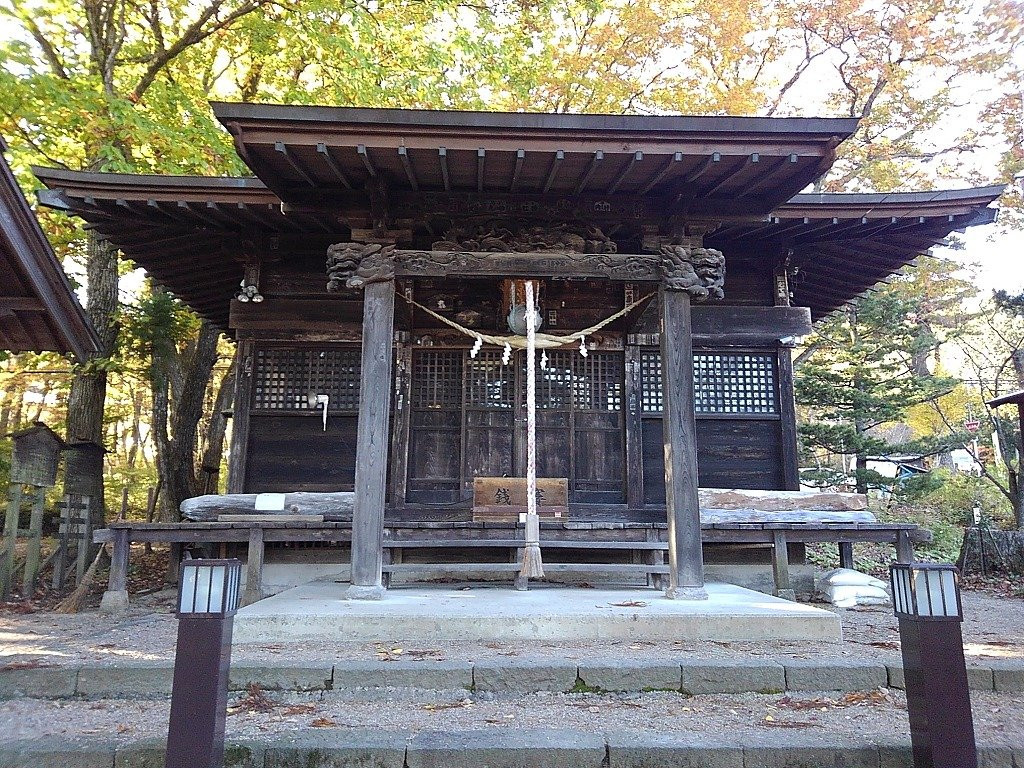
89,385
210,467
176,451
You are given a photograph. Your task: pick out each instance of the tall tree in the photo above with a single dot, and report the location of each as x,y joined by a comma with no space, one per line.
861,376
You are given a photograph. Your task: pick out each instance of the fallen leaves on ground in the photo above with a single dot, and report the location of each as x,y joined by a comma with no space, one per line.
31,664
855,698
629,604
323,722
388,654
461,704
299,709
255,700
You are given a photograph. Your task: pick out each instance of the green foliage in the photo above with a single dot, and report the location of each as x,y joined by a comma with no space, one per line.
865,372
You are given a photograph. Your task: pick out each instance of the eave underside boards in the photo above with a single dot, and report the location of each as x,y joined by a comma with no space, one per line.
700,165
38,309
840,245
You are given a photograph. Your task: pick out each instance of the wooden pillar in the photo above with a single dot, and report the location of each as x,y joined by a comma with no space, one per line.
115,599
254,567
372,440
10,539
787,417
780,566
634,430
238,449
686,560
35,535
846,554
400,429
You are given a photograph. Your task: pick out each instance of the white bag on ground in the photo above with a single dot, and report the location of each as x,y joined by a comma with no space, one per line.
844,588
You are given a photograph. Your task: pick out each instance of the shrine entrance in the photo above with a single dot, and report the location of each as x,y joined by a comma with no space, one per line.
468,420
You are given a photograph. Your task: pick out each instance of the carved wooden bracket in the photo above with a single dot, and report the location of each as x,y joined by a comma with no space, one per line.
356,265
696,270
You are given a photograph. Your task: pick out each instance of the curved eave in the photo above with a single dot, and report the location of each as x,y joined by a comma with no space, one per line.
841,245
38,307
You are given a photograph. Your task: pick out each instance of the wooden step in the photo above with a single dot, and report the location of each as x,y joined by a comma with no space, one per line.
472,542
635,568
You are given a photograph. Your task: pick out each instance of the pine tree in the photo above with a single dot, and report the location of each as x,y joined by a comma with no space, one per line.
865,372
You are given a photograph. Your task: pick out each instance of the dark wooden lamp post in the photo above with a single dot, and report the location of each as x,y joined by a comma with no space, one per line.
208,595
926,599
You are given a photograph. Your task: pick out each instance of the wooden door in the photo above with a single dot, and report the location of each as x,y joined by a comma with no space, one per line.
468,420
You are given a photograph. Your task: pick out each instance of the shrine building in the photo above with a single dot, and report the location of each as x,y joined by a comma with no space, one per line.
361,266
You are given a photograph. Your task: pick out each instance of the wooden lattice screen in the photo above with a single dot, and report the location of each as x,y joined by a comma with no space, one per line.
289,378
724,383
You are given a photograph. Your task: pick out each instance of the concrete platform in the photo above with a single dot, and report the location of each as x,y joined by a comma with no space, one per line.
319,610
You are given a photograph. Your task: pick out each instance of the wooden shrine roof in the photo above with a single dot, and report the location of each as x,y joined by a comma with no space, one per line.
192,234
309,155
1014,397
38,308
842,244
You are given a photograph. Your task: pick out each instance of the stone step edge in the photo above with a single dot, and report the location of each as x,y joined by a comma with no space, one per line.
134,681
540,748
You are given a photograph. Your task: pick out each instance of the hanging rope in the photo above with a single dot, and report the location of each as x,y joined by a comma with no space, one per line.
533,566
542,340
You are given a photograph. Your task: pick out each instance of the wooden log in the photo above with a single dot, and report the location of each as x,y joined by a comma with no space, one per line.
328,506
254,567
686,559
35,536
372,440
776,501
10,540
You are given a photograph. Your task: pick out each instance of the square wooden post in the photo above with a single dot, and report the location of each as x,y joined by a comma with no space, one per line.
685,555
35,535
115,599
372,438
10,539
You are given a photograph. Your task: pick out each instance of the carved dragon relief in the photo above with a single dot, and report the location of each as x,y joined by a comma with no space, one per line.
511,237
355,265
698,271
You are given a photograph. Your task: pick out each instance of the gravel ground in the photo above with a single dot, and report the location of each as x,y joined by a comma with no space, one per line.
993,628
837,720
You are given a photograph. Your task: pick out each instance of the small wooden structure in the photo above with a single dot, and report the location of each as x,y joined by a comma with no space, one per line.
83,464
688,231
34,463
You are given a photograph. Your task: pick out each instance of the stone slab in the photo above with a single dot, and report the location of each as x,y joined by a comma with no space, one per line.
55,752
271,677
499,748
338,749
732,676
628,675
524,676
811,675
350,675
793,752
38,683
126,680
1008,676
630,749
422,613
978,678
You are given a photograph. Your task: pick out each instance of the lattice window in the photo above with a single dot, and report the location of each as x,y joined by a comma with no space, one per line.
598,382
555,382
651,397
735,382
489,384
290,378
437,379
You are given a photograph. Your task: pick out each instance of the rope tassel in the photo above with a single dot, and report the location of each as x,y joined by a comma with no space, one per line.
533,565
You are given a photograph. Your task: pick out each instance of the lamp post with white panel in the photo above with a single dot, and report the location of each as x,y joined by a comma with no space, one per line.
926,599
208,595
